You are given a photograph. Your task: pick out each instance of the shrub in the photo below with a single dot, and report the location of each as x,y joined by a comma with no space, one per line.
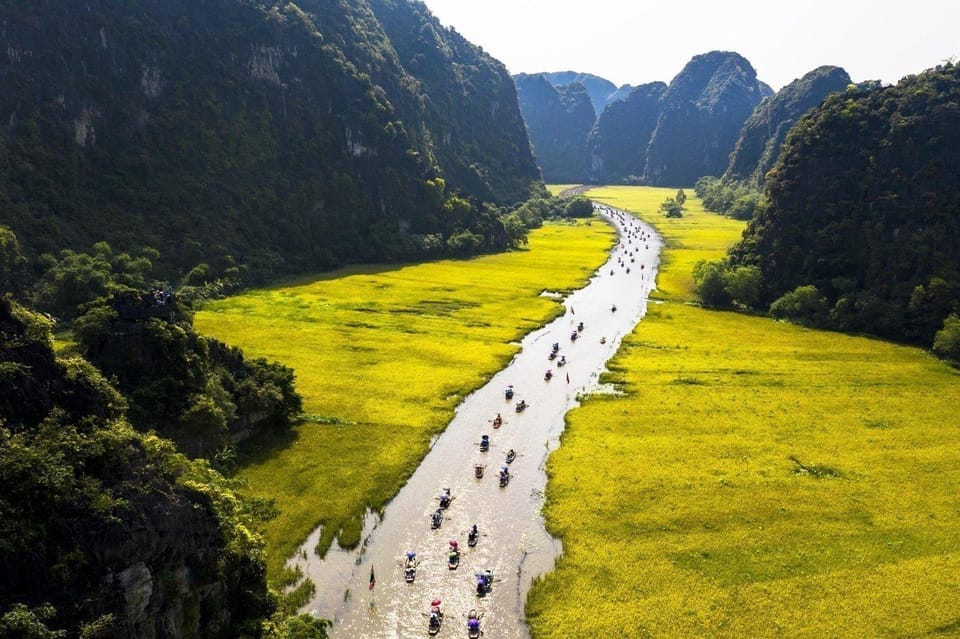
804,305
708,277
579,207
946,343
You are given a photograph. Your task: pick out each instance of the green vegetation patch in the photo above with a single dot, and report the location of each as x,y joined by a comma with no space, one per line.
682,513
382,357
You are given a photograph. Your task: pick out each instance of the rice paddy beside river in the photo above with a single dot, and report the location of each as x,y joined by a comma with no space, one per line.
383,355
756,479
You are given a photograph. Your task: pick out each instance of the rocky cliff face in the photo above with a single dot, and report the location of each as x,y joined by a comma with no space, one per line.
617,145
696,122
114,529
599,89
558,120
702,112
765,130
289,135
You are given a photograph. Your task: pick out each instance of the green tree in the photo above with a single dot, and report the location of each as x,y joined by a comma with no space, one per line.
671,208
681,197
515,229
579,207
946,343
304,627
742,284
710,282
804,305
21,622
12,262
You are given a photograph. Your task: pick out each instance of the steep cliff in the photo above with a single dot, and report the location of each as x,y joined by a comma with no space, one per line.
115,530
702,112
291,136
558,120
617,145
765,130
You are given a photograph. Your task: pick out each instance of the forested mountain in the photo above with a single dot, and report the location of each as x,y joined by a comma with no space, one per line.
291,136
599,89
617,146
106,532
696,123
861,227
701,114
558,120
765,130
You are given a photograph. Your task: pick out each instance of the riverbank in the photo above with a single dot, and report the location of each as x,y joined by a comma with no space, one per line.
754,479
383,355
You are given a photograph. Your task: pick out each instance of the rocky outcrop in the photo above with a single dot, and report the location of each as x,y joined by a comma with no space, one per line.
558,120
617,145
701,114
766,129
599,89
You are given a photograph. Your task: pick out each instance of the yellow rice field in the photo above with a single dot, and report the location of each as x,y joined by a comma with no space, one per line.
756,479
383,355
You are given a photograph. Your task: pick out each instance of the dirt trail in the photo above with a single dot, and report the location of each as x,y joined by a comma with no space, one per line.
514,543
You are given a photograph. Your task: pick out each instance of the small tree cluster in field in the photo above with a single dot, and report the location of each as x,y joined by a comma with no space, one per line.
673,206
733,200
721,286
946,343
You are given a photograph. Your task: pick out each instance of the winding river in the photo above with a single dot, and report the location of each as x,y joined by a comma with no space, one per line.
513,542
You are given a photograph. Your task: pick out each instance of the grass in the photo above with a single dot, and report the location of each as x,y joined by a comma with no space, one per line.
757,479
383,355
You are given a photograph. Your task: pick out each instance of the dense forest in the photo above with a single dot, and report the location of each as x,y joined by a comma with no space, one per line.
859,228
269,136
107,532
765,130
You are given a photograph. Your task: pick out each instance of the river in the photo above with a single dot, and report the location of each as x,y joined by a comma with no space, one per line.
513,542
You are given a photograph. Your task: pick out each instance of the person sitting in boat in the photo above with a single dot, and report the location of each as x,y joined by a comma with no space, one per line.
474,531
504,472
411,559
563,360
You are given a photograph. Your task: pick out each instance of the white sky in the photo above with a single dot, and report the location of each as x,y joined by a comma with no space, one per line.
641,41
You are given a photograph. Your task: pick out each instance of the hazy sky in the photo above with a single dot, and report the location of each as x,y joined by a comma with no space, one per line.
641,41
